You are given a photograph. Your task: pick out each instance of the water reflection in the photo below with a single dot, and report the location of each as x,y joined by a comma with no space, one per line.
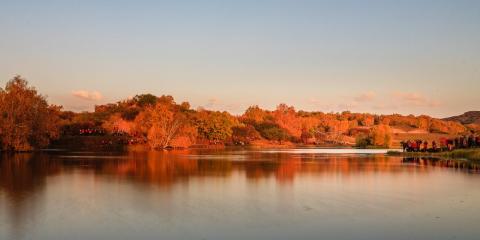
22,175
22,180
463,165
25,178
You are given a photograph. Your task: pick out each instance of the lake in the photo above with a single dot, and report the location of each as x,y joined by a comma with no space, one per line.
237,194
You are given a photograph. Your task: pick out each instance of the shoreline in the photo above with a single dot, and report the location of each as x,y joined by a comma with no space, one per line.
472,154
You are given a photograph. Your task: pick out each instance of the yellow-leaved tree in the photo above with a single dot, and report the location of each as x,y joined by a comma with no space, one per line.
381,136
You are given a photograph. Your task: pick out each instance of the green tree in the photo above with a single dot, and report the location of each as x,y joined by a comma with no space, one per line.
244,134
145,99
215,126
272,131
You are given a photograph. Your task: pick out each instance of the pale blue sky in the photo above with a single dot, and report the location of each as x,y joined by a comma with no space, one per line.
364,56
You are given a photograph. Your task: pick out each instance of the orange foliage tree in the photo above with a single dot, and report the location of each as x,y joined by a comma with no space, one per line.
286,118
165,125
27,121
244,135
381,135
254,114
116,124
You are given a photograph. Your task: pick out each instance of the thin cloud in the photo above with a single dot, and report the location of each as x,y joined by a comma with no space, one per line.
86,95
382,106
348,106
318,104
217,104
234,108
366,97
80,108
212,102
415,99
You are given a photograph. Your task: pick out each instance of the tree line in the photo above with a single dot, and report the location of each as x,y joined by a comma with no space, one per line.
28,122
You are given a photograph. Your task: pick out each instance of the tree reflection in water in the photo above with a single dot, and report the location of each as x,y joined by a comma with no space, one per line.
24,174
24,177
462,165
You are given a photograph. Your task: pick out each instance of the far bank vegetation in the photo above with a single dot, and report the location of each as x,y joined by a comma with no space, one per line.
28,122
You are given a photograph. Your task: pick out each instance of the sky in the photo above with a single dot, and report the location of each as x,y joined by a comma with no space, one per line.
408,57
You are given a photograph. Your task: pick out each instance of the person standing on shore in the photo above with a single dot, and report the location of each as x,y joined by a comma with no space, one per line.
413,146
470,142
410,146
404,145
419,145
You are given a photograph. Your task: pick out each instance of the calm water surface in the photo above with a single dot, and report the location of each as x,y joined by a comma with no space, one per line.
237,194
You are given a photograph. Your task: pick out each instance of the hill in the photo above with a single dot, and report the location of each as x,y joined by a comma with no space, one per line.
472,117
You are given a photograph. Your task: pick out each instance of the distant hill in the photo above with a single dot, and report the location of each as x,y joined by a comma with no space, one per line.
466,118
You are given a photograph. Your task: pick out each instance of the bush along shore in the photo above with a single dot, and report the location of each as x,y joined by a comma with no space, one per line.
472,154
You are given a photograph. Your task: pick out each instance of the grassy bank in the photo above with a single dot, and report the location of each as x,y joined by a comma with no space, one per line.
469,154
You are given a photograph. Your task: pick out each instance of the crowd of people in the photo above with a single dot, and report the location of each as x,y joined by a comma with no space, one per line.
91,132
443,144
117,137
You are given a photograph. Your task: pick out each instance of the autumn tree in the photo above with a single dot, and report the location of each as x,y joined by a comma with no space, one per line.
272,131
186,137
286,118
72,125
27,121
144,100
381,135
366,120
215,126
363,141
254,114
244,135
163,124
309,129
116,124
